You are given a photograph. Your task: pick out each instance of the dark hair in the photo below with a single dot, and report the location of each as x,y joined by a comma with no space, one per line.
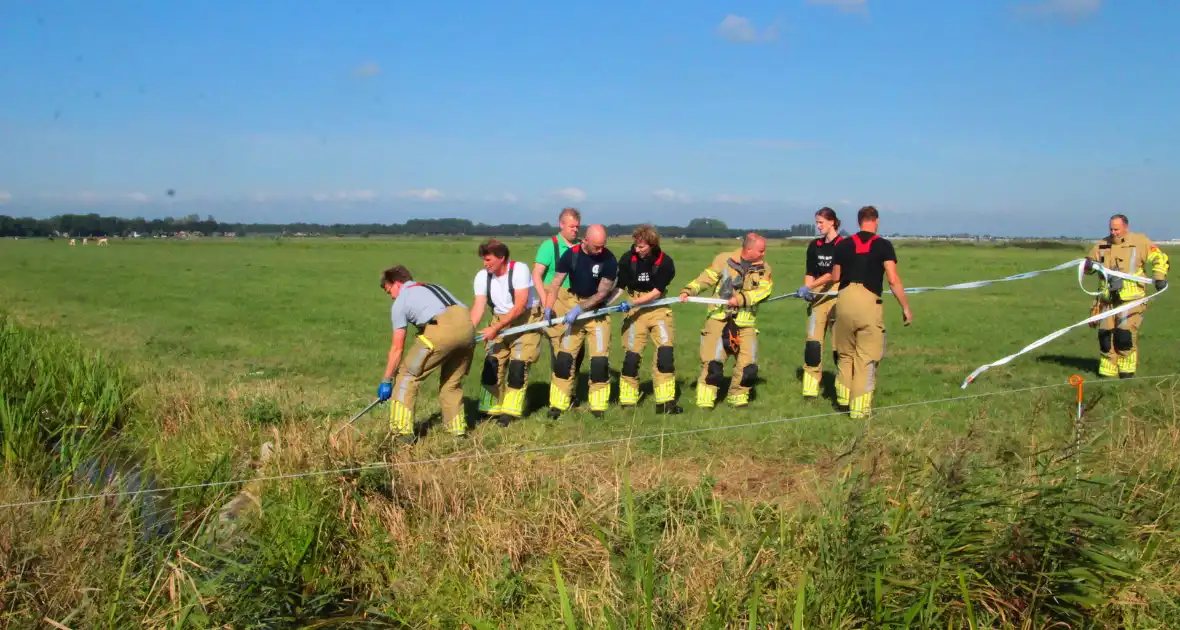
1121,217
867,213
493,247
828,214
396,273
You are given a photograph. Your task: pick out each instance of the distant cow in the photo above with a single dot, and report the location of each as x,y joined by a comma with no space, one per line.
103,241
72,243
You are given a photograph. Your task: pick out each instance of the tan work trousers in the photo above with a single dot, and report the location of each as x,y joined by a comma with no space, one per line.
1118,340
592,334
821,316
447,345
506,367
859,337
713,356
637,327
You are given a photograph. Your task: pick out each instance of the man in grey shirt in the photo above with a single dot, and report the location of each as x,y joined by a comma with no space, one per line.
445,341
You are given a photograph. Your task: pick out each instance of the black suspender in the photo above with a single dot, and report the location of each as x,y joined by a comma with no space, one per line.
511,288
442,296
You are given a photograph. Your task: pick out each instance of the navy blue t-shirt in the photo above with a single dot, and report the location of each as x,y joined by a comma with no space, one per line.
585,271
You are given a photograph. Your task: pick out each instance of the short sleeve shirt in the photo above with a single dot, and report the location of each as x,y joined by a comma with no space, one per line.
820,254
501,298
585,271
546,256
867,268
417,304
638,274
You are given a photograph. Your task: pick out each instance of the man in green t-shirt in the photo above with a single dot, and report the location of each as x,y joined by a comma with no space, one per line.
545,267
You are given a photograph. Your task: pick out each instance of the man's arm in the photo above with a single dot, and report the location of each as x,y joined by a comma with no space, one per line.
898,290
477,308
539,269
760,292
395,353
605,285
551,290
835,274
707,279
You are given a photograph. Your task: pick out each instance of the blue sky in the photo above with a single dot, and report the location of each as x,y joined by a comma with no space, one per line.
1008,117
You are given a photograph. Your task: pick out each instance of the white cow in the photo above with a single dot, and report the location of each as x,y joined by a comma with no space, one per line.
103,241
72,243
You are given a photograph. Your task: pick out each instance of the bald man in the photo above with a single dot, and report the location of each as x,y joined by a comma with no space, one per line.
743,278
592,270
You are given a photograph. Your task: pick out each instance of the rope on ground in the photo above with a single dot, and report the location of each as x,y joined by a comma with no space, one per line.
548,448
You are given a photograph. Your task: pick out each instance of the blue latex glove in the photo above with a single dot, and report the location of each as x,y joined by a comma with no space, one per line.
547,315
385,391
803,292
573,314
1088,266
624,307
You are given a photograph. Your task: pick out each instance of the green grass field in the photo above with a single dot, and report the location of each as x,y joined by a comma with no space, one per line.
960,513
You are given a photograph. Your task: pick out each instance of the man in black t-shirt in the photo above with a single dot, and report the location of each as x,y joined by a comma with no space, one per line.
592,270
859,266
645,271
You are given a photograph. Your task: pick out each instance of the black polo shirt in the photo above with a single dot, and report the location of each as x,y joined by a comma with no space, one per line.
585,271
863,262
639,274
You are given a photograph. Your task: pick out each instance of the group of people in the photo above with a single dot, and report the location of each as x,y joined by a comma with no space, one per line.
843,286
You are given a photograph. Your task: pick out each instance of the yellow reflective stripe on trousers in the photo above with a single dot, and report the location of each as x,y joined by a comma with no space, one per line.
810,385
628,393
861,406
664,392
706,396
558,399
1106,367
513,402
738,399
400,419
487,402
842,394
1128,363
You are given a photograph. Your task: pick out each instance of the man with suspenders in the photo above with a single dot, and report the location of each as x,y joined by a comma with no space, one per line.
545,267
445,341
507,286
858,267
743,278
645,271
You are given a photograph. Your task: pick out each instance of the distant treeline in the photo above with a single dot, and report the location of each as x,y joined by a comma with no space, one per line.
78,225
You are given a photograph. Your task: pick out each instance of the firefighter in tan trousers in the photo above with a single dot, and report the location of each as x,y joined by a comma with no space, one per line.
592,270
821,310
860,264
743,278
445,342
507,287
645,271
1118,335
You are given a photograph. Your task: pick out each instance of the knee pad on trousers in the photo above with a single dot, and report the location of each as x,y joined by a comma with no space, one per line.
491,369
715,374
664,360
1123,339
630,364
516,374
1104,340
563,367
599,369
812,353
749,374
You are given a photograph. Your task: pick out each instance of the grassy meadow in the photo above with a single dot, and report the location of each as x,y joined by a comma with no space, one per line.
176,361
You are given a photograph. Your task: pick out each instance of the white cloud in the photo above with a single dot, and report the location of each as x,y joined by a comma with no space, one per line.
138,196
845,6
509,198
5,196
1069,9
422,194
725,198
575,195
741,30
368,69
672,196
340,195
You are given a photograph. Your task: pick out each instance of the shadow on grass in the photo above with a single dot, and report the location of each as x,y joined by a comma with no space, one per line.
1087,365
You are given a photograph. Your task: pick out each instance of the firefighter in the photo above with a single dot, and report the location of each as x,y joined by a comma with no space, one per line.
859,265
507,287
445,341
1125,251
743,278
821,309
592,270
645,271
569,221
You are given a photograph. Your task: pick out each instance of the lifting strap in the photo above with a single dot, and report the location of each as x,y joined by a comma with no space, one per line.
862,247
511,291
